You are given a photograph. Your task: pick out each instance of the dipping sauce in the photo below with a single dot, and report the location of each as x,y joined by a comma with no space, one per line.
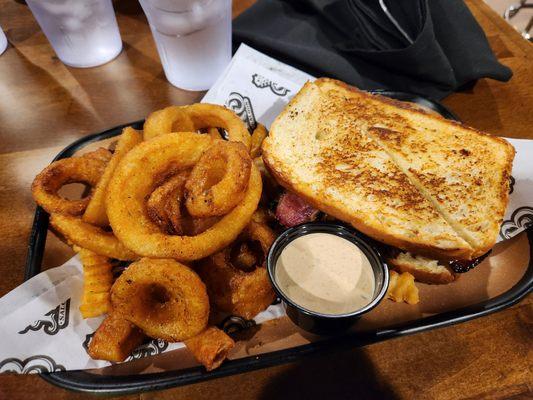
325,273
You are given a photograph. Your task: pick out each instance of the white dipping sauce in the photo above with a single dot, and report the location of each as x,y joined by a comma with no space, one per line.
325,273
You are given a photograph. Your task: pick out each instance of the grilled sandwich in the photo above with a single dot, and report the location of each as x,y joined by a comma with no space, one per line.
405,177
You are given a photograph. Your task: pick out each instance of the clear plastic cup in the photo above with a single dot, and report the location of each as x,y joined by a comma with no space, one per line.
193,38
83,33
3,41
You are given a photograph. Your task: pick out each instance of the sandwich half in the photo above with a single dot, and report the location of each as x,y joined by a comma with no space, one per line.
405,177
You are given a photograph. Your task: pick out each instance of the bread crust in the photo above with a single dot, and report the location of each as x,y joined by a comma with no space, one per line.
407,106
422,275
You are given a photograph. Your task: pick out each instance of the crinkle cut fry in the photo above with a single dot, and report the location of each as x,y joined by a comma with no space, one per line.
97,282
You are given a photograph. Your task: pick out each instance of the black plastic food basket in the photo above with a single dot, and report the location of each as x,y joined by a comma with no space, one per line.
123,384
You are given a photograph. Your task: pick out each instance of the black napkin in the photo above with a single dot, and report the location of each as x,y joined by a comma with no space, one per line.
442,47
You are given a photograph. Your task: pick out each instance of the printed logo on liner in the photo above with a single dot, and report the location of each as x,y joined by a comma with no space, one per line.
521,219
32,365
261,82
242,106
56,320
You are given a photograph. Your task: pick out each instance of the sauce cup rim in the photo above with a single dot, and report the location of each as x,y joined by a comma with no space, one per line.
357,238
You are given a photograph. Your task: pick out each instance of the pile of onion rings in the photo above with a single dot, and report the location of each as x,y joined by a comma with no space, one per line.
175,192
133,182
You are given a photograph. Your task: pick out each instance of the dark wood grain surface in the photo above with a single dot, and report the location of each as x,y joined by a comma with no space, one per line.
45,105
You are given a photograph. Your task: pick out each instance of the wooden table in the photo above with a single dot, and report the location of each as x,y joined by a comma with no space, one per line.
45,105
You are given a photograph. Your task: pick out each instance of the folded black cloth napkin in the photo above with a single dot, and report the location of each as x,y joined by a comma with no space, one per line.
436,47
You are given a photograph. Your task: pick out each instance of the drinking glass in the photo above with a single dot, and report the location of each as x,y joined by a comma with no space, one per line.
83,33
193,38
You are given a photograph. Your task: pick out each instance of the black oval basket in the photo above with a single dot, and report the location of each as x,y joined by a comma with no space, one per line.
123,384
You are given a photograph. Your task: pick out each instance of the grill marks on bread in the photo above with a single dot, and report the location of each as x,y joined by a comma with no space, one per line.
369,171
462,172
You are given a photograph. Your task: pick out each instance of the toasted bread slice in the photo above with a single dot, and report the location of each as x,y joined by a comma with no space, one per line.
424,269
317,149
462,172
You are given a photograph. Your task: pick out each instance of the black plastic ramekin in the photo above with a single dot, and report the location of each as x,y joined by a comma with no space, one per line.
314,322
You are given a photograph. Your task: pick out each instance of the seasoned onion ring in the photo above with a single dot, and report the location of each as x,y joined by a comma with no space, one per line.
85,169
95,213
164,204
214,116
164,298
167,120
240,292
203,200
90,237
133,181
258,135
211,347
